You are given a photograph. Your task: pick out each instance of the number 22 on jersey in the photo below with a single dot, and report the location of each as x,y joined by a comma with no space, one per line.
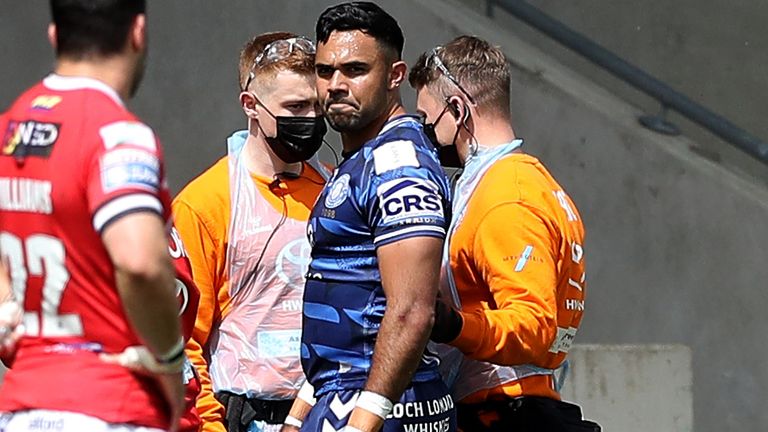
41,255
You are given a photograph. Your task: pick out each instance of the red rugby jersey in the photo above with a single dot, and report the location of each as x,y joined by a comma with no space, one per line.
73,159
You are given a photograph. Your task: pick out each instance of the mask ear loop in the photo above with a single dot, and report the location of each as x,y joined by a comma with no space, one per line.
473,144
258,101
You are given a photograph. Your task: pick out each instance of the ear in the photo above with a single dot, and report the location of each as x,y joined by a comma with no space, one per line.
52,35
248,103
138,35
398,74
459,109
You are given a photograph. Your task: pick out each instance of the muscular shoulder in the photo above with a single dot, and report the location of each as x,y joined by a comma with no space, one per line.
401,148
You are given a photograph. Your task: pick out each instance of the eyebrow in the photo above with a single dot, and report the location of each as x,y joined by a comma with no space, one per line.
355,63
296,99
351,63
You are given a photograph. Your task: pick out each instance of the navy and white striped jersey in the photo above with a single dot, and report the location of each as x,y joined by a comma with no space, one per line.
391,189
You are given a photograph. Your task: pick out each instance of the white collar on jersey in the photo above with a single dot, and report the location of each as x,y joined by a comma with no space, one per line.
397,121
69,83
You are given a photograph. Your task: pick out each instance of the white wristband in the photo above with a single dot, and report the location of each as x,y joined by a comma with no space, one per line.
350,429
374,403
293,421
307,393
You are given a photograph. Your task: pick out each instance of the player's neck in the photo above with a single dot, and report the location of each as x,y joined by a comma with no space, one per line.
111,71
353,140
261,161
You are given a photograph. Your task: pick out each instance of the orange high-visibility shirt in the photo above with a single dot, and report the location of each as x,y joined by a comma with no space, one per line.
517,259
202,216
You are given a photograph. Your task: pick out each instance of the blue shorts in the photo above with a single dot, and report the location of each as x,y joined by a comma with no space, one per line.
424,407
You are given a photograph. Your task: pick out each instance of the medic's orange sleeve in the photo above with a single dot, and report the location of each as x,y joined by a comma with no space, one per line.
522,325
204,237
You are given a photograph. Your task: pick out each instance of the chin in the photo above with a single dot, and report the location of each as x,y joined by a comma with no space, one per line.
344,123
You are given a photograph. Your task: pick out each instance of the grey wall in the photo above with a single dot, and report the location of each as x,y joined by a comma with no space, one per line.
713,51
190,91
676,243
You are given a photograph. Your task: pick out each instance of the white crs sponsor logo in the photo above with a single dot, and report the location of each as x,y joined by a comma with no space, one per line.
292,262
130,168
409,198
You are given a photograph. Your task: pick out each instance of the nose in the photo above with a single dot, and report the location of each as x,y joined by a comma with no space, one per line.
337,84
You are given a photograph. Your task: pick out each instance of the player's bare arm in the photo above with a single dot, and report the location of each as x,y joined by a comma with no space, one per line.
137,245
409,275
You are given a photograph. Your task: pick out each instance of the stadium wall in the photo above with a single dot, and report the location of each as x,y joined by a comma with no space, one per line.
675,242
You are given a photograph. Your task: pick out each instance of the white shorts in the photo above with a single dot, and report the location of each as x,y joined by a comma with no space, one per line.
62,421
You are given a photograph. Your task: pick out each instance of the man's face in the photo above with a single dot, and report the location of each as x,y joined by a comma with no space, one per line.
352,80
288,94
435,111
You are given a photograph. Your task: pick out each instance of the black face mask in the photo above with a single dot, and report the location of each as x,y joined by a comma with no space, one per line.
298,138
447,154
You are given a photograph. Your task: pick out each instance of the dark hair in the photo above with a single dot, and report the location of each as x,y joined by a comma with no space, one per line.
93,27
367,17
479,67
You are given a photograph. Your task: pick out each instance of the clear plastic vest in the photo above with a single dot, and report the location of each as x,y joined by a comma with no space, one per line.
255,349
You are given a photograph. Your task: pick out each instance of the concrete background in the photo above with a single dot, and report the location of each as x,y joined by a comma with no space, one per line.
676,242
632,387
713,51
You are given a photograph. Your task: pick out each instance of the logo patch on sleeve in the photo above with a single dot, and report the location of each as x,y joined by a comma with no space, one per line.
126,132
130,168
410,200
395,154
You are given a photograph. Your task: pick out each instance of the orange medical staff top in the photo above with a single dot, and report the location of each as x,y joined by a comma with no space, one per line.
202,216
518,263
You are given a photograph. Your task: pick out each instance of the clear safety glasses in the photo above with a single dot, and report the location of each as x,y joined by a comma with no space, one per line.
279,50
434,60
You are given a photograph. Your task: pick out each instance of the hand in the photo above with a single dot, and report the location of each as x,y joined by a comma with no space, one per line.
11,329
173,390
11,314
448,323
289,428
362,420
138,359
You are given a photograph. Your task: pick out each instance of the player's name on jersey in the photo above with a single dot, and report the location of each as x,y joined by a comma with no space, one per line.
25,195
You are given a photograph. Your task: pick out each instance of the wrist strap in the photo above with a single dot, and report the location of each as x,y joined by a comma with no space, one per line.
374,403
173,355
293,421
307,393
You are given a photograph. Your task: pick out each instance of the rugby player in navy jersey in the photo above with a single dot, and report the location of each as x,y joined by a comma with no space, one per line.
377,232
